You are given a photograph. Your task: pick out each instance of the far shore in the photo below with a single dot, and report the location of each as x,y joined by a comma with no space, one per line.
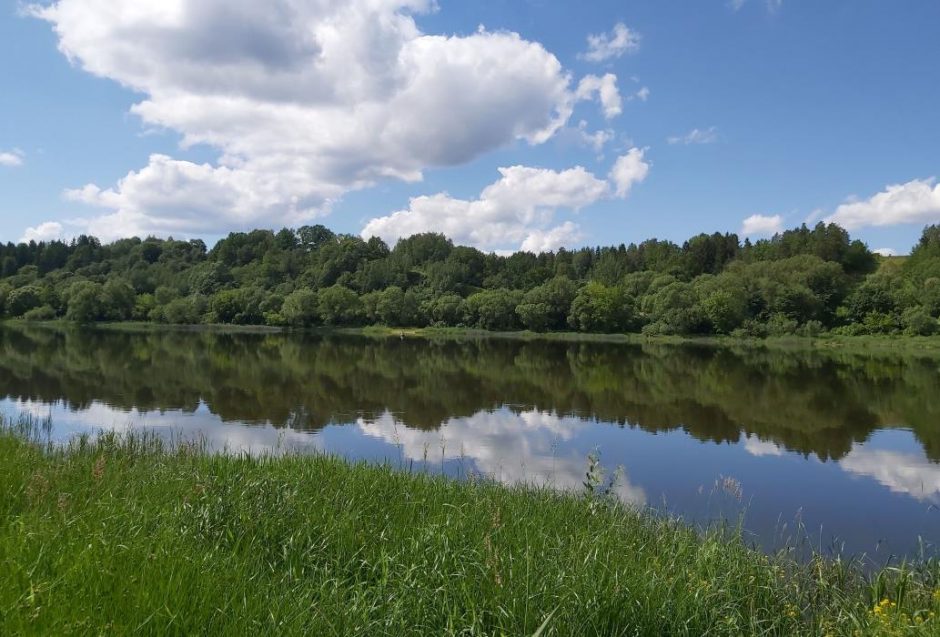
885,343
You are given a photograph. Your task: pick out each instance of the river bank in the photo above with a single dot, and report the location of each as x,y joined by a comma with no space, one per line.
124,535
928,346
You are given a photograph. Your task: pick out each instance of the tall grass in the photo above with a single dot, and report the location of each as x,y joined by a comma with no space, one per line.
124,535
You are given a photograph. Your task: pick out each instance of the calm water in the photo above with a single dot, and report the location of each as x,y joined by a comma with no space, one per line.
848,446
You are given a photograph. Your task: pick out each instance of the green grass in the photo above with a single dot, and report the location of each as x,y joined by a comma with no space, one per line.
125,536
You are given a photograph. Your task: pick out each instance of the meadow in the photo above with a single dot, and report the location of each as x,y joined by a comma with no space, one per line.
122,535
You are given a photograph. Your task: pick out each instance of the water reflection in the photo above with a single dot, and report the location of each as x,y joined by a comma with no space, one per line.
757,447
527,447
172,425
850,442
908,473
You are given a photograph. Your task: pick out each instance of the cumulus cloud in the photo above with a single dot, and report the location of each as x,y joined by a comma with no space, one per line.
552,239
696,136
762,225
605,89
517,211
916,201
606,46
304,101
47,231
12,158
180,197
886,252
629,170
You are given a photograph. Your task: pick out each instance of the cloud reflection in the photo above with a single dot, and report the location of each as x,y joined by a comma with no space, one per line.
908,473
757,447
171,425
507,446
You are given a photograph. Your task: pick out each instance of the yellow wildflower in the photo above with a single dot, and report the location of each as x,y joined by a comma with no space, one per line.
883,607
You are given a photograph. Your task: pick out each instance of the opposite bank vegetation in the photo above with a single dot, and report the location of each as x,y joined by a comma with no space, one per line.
801,282
125,535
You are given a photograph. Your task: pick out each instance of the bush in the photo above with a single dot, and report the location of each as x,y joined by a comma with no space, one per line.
673,310
493,309
811,329
881,323
917,321
240,307
339,305
301,308
447,309
781,325
546,307
186,311
84,302
601,308
41,313
24,299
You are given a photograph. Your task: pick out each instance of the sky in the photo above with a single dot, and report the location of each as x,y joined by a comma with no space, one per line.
505,124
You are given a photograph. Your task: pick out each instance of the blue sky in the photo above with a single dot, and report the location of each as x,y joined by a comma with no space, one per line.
777,111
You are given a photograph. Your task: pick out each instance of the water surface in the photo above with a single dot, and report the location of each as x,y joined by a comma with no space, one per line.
844,446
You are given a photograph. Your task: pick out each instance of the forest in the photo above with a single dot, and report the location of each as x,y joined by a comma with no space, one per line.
804,281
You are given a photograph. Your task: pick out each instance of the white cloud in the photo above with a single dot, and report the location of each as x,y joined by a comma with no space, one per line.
643,94
605,46
304,101
12,158
179,197
772,5
546,240
696,136
516,210
47,231
886,252
762,225
917,201
628,170
596,140
605,88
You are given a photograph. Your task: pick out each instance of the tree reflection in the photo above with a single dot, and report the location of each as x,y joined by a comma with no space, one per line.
810,402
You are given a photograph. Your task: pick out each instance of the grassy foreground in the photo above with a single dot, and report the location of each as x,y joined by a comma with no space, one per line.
124,536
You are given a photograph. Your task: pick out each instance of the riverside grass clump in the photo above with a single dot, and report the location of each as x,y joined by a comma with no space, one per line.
127,535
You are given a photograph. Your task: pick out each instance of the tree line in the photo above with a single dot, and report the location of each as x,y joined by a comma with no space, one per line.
801,281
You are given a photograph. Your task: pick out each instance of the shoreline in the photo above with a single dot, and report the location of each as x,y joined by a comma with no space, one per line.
927,346
125,532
